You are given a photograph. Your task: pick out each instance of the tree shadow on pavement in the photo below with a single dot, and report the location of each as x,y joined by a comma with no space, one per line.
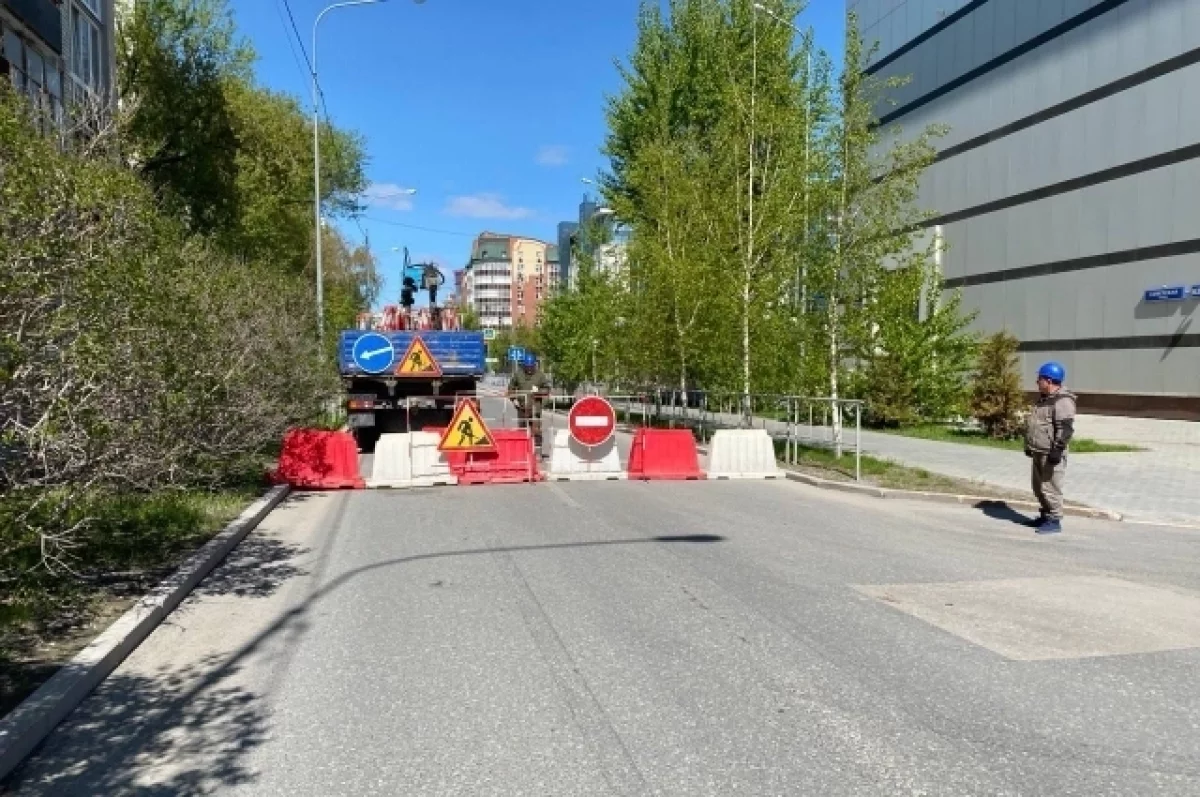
179,733
255,568
189,732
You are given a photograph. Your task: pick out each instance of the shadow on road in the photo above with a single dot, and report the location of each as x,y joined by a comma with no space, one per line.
998,510
188,732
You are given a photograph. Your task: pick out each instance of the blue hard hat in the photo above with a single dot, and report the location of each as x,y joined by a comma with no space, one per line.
529,360
1053,371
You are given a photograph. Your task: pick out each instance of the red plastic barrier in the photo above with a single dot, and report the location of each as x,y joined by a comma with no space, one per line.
664,454
314,459
513,461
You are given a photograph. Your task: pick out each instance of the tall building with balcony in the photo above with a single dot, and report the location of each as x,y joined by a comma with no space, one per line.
508,279
488,280
61,53
1067,188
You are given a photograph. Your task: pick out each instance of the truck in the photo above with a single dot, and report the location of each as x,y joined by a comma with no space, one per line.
381,398
403,368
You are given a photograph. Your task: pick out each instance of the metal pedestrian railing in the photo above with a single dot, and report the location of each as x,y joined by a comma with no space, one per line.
797,422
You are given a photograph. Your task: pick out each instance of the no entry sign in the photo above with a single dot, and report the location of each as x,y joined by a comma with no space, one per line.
592,421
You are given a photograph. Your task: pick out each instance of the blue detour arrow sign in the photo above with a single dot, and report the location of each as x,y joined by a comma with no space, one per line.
373,353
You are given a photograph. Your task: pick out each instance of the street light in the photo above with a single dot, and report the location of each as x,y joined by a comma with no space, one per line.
317,159
801,298
776,17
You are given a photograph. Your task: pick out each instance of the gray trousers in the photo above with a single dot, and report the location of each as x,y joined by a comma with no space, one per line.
1048,484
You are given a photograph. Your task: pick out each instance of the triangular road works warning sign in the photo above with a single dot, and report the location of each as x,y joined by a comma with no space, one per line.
467,431
417,361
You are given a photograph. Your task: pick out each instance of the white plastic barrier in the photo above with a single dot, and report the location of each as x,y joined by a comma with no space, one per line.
570,461
410,460
742,454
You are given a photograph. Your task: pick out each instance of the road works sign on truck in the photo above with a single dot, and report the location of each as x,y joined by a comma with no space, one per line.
418,362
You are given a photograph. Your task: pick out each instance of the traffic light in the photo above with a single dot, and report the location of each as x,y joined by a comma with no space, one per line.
407,291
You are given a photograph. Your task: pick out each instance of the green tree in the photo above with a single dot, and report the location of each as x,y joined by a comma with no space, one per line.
229,157
873,218
914,368
996,397
579,329
469,319
272,185
706,143
175,59
672,262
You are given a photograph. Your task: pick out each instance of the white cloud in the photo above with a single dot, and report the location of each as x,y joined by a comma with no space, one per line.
388,195
485,206
552,155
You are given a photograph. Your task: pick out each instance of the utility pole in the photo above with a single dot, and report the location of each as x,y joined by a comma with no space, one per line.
316,97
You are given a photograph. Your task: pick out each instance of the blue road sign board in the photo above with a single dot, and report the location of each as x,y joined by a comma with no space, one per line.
1174,293
515,354
374,353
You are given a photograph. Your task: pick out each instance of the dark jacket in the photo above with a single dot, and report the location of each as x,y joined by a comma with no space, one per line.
1051,423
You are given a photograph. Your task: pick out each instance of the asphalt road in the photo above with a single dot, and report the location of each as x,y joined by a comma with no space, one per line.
613,638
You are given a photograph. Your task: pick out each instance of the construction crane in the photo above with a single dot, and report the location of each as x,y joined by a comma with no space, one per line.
419,276
414,277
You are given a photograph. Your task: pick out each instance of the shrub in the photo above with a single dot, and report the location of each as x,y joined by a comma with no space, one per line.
136,356
996,398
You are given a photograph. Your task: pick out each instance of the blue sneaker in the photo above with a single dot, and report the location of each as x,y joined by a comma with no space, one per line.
1050,527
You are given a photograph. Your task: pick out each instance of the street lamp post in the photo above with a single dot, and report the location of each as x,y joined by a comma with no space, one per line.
801,273
317,160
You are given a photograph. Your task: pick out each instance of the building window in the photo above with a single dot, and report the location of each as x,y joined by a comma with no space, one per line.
95,6
87,50
33,73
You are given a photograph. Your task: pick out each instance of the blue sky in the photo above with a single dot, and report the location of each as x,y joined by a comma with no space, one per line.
491,109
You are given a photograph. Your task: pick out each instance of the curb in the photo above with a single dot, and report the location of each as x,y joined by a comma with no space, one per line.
943,498
24,728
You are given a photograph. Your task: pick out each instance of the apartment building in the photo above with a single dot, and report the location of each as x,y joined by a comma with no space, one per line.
508,279
1067,188
59,52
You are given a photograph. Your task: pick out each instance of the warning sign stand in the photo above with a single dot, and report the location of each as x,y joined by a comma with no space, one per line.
467,431
477,455
418,361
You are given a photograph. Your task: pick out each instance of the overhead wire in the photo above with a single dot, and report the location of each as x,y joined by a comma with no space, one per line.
290,39
295,38
420,228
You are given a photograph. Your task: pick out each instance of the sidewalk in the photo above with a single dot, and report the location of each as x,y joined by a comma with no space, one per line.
1158,485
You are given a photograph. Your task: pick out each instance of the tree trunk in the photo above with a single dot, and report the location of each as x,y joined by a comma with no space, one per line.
835,409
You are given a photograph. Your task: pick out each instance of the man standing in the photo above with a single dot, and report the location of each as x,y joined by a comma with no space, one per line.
1048,432
528,390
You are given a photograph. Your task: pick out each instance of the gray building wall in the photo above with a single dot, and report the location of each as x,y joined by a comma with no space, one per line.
1069,182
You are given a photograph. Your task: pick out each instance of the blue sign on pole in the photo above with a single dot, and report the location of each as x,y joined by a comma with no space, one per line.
515,354
373,353
1175,293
